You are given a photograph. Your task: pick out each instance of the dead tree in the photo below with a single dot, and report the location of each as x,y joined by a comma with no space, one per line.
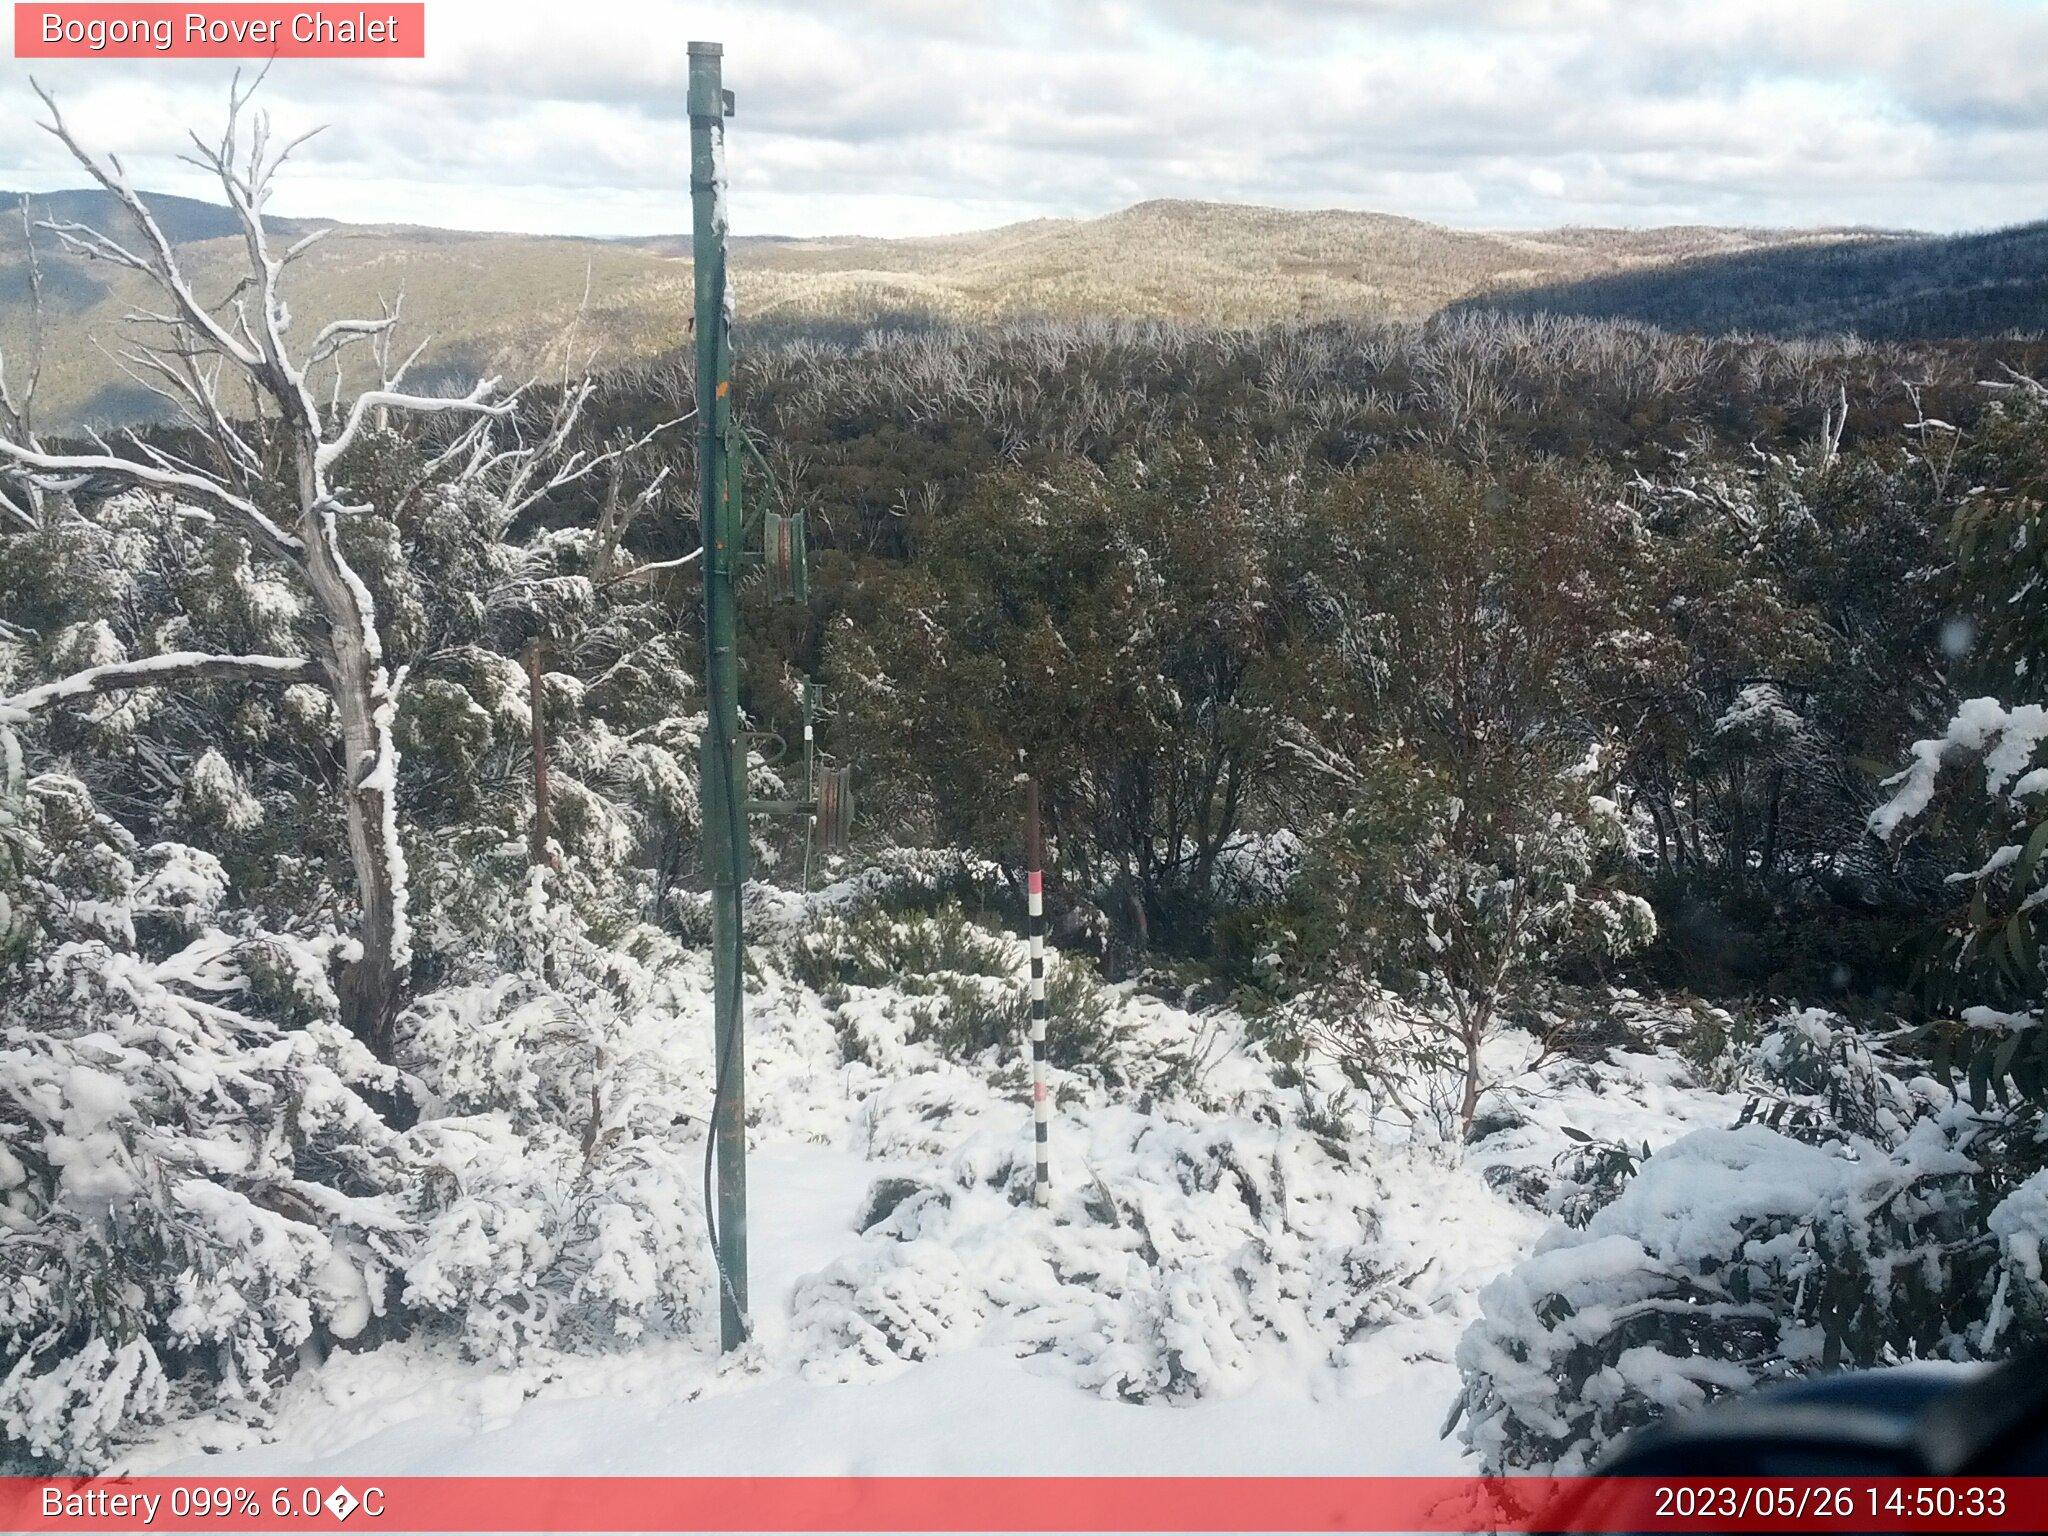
17,398
266,471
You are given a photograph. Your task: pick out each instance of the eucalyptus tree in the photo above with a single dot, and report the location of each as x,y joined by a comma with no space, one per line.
257,451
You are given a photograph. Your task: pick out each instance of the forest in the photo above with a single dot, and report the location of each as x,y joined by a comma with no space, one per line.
1881,286
1439,715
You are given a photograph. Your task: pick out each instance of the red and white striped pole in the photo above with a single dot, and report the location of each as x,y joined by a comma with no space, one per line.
1034,875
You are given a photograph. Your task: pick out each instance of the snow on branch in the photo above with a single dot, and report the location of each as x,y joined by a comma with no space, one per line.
343,333
2005,738
56,469
478,400
524,485
652,569
160,265
152,671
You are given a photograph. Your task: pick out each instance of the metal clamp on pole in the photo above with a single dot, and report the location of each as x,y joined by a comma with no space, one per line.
827,795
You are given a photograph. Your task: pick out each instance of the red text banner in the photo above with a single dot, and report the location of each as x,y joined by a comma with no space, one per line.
405,1504
240,31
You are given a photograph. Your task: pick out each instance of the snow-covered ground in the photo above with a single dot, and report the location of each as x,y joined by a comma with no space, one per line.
1217,1287
666,1409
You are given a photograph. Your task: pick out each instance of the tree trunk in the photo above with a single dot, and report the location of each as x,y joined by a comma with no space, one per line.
1468,1105
372,985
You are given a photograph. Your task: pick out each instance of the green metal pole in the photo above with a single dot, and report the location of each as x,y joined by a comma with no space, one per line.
724,763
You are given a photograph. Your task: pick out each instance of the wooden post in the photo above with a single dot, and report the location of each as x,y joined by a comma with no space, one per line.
538,851
1034,885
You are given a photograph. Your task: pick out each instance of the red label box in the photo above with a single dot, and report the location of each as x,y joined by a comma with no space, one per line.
149,31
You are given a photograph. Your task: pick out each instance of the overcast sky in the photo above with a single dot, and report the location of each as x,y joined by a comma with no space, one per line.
920,116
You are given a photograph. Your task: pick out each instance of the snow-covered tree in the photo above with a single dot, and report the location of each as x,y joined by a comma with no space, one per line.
1978,787
286,474
196,1189
1486,620
194,1186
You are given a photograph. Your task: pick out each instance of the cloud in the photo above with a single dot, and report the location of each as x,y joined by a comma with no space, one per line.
917,116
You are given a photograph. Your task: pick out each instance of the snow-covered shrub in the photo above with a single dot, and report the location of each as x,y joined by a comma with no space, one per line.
972,978
558,1193
1816,1076
1158,1274
875,947
189,1192
1676,1291
531,1242
2019,1305
1591,1174
1734,1257
1458,892
212,798
194,1185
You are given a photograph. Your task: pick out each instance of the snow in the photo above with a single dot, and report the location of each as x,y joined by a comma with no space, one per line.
1214,1288
1239,1270
971,1413
978,1410
1760,711
92,678
2006,739
212,789
2020,1223
381,779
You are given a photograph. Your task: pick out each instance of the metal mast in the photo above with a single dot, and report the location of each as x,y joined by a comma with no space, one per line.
826,798
724,762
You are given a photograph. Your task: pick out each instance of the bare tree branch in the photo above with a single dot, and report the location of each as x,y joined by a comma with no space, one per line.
163,267
154,671
477,400
77,466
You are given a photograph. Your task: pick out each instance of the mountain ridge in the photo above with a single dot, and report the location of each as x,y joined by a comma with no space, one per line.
516,304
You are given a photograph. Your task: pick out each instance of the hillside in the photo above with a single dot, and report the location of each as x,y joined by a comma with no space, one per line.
1880,287
1221,263
505,303
491,303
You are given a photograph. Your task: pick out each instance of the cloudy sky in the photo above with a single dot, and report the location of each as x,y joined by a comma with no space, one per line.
922,116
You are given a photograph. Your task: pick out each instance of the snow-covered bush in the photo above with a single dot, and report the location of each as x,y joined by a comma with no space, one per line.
1158,1275
190,1192
1888,1221
558,1197
971,976
195,1185
1458,893
1678,1290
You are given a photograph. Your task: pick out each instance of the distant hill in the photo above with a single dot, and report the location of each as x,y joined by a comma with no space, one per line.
1883,287
497,303
1221,262
490,303
182,219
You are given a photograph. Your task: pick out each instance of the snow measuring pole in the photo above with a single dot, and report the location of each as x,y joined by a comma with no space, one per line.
826,796
1034,885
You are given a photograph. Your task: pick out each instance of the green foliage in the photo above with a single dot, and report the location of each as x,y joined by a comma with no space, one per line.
1486,623
1984,974
972,980
1857,1216
1977,284
879,948
1115,632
